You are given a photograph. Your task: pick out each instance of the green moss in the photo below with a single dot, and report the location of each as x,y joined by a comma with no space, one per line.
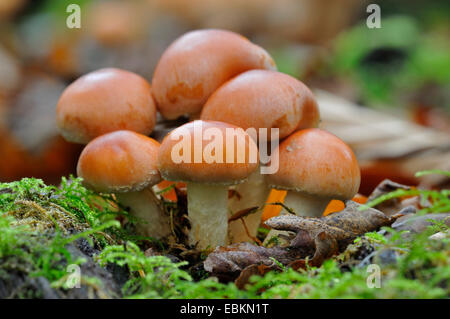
37,222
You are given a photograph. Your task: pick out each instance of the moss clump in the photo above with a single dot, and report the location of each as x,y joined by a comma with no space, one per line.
72,200
40,225
39,218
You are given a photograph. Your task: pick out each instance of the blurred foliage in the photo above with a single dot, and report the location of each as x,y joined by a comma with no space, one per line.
439,199
395,63
56,8
430,14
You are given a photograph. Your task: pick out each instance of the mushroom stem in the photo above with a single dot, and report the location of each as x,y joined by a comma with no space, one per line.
306,205
252,193
207,210
302,204
144,206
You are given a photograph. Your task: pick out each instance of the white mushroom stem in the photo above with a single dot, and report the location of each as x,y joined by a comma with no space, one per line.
251,193
302,204
207,212
144,206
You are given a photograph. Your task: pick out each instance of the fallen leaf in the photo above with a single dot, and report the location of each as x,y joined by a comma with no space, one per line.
392,206
252,270
320,238
353,220
231,260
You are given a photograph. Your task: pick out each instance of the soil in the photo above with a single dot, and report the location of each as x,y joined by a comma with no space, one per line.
19,284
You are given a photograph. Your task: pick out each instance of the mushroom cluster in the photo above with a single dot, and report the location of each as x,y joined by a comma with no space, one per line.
251,129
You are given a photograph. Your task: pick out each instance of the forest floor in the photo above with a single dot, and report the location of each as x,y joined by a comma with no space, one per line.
69,242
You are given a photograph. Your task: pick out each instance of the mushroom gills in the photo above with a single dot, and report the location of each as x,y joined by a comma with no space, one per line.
207,212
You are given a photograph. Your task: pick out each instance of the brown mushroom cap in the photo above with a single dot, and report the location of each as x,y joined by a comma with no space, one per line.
120,161
103,101
197,63
263,99
318,163
226,173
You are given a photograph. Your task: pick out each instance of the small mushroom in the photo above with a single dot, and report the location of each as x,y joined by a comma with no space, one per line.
263,99
125,163
209,164
197,63
260,99
104,101
315,167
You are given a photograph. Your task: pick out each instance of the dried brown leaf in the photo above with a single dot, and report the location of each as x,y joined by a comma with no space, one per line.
320,238
232,259
392,206
252,270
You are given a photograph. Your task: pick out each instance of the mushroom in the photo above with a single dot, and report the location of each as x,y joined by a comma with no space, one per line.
315,167
209,156
197,63
263,99
104,101
125,163
260,99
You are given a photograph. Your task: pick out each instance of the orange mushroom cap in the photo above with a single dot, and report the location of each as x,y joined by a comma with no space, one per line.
230,170
318,163
263,99
103,101
197,63
120,161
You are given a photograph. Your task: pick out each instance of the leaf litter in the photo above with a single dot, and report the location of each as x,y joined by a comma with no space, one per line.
315,239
